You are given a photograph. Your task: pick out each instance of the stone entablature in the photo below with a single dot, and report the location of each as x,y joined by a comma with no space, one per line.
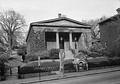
60,29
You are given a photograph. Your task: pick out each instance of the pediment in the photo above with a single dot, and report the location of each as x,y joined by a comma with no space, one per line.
61,22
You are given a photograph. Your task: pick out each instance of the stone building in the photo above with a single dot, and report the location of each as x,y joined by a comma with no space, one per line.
55,33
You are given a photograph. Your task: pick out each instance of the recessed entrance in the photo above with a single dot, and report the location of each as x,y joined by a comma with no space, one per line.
64,40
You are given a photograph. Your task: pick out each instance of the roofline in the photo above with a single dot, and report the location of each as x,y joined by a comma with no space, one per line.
28,32
108,18
61,18
89,27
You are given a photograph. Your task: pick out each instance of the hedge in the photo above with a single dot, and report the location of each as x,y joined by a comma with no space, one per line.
49,54
68,66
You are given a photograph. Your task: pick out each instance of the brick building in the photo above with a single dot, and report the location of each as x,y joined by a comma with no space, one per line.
110,31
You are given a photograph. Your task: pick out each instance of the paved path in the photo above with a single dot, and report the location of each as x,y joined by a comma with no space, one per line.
56,77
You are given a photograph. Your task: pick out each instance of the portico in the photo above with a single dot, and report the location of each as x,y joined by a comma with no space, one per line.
71,38
58,39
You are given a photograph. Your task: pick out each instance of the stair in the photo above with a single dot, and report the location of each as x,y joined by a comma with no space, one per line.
68,54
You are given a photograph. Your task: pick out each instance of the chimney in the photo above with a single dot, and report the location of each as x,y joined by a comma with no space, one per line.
59,15
118,10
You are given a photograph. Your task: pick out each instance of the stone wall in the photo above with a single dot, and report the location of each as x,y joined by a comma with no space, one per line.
36,41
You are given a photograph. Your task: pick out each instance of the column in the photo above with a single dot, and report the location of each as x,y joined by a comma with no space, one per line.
57,40
70,39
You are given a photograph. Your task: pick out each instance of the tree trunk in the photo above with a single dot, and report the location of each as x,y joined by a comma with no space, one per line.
10,44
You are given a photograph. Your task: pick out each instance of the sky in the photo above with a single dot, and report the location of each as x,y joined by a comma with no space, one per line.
38,10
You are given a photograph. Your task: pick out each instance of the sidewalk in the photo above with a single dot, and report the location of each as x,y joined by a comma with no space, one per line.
56,77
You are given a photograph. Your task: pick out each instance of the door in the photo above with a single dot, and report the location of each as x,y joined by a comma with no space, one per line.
61,43
66,44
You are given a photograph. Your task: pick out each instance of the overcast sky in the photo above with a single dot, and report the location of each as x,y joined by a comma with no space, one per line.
37,10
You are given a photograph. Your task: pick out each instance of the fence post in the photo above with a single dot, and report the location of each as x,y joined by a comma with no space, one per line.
39,65
19,73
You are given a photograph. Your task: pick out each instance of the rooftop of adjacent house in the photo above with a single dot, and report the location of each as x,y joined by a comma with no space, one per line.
117,15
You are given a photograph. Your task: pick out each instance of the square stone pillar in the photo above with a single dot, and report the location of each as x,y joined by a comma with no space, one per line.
57,40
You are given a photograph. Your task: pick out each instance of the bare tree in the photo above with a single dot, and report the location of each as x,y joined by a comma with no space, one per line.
94,24
10,22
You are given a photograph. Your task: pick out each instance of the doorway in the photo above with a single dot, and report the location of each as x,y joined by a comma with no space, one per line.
64,40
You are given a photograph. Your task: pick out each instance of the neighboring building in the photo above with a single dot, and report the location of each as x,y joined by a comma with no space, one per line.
110,31
45,35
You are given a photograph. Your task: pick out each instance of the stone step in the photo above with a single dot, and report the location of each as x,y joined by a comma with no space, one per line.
68,55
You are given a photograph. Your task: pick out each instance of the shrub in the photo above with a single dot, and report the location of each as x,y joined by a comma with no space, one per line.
33,67
68,65
45,67
31,57
22,50
34,57
103,62
54,53
51,54
114,61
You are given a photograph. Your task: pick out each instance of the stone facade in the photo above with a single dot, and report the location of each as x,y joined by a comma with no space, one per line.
36,41
47,34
